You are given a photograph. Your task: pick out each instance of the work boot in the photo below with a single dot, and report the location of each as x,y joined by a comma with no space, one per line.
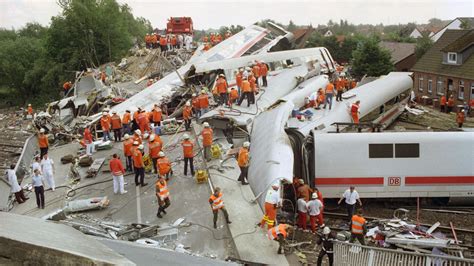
229,222
163,210
159,215
215,226
245,183
279,251
144,184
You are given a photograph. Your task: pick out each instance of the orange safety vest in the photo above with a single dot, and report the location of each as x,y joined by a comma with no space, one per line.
450,102
443,100
156,114
234,95
126,118
162,190
127,147
137,159
164,165
137,138
203,101
238,79
460,117
30,110
221,86
357,224
195,103
116,122
256,71
217,202
187,112
277,230
105,123
116,167
330,88
43,141
263,70
207,137
253,83
155,147
187,148
243,158
246,86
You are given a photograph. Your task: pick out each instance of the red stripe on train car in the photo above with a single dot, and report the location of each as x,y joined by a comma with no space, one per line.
349,181
423,180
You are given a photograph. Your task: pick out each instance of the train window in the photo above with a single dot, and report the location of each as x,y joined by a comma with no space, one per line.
380,150
407,150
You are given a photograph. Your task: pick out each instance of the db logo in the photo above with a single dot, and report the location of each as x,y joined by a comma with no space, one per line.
394,181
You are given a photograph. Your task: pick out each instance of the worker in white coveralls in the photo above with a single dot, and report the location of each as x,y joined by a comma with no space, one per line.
47,168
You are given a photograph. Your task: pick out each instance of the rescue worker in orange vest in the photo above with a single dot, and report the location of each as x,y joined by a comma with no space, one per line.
460,117
212,38
246,92
340,90
218,204
103,77
163,195
88,141
320,99
66,87
164,166
147,41
137,136
29,110
163,43
353,84
272,203
127,151
355,111
157,115
329,93
256,72
43,142
187,115
142,121
207,136
253,86
450,104
279,233
174,42
116,168
233,96
126,119
243,161
116,126
218,38
227,35
207,46
139,166
263,73
303,190
442,104
154,148
238,80
135,119
358,228
205,39
105,124
221,86
195,105
188,155
155,40
203,102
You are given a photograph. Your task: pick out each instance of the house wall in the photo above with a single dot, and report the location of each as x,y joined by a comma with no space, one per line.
406,64
460,98
454,25
415,34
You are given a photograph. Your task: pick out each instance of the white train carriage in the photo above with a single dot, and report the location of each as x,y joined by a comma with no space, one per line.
395,165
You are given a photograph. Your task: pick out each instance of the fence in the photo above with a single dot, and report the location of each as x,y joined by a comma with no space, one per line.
348,254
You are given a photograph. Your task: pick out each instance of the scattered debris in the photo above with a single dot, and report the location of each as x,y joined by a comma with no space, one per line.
86,204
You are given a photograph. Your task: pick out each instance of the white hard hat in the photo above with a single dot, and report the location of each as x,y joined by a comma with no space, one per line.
276,184
42,130
152,137
114,112
302,118
161,154
140,147
246,144
138,132
135,143
221,75
29,104
326,230
203,91
193,95
248,68
145,136
301,181
314,196
205,124
185,136
104,113
126,136
188,103
241,69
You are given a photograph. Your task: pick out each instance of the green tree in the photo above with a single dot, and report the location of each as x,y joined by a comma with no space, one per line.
423,44
370,59
465,24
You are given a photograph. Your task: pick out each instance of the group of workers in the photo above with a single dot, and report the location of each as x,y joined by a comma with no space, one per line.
214,39
447,105
167,42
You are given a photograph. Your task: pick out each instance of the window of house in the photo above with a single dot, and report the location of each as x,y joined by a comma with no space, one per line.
452,58
461,90
380,150
407,150
439,86
472,90
420,83
430,86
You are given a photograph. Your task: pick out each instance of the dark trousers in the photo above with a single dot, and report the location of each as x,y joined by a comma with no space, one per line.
350,210
359,237
246,95
442,108
187,124
252,97
191,166
20,197
163,204
118,134
126,129
39,192
450,109
243,174
154,160
216,213
264,81
339,96
128,163
321,255
163,48
43,151
223,98
139,172
460,125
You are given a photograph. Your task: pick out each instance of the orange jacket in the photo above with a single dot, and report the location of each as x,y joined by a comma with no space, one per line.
234,95
238,79
116,121
187,112
243,158
162,191
358,224
155,147
163,41
67,85
187,149
206,137
43,141
116,167
256,71
443,100
263,70
278,230
141,119
450,102
173,40
127,147
216,201
105,123
460,117
137,138
87,136
253,83
195,103
156,115
164,165
354,108
330,88
30,110
246,86
203,101
221,86
126,118
137,159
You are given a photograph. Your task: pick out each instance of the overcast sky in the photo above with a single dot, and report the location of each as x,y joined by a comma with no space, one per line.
213,14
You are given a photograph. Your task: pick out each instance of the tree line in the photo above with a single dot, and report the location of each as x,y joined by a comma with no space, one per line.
35,60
